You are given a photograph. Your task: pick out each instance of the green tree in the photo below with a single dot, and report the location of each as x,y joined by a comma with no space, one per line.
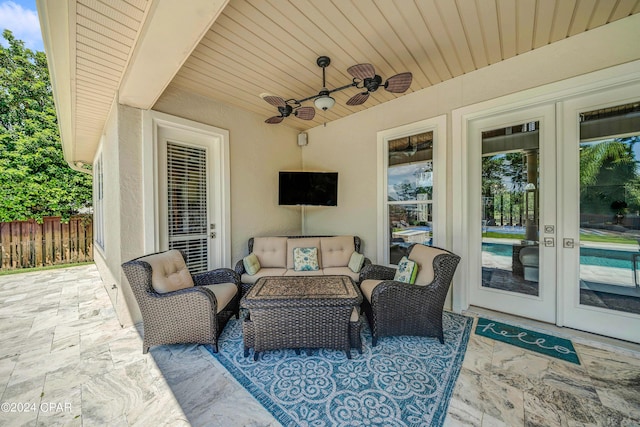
35,181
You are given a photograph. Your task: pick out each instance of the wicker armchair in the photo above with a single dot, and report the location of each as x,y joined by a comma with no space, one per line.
395,308
178,307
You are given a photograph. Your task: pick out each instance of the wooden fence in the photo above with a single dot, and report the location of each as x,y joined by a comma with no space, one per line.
29,244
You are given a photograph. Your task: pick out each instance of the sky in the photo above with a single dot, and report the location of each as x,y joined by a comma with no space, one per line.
21,17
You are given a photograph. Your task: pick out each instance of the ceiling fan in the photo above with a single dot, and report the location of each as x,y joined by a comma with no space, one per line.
286,108
364,77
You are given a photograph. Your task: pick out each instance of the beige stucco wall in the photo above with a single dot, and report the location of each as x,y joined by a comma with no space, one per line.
257,151
355,137
123,239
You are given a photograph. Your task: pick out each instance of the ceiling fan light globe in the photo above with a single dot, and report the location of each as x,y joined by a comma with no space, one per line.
324,102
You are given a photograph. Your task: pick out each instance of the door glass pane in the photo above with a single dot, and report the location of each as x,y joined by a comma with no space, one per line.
409,193
610,207
510,208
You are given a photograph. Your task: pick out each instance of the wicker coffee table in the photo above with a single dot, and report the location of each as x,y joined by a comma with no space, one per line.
301,312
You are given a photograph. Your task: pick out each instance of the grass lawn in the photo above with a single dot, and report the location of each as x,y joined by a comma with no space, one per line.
48,267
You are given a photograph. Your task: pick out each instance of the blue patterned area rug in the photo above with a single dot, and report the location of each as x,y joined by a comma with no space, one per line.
403,381
559,348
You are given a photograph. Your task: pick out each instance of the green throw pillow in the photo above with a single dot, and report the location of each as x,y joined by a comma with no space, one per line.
356,261
407,271
305,259
251,264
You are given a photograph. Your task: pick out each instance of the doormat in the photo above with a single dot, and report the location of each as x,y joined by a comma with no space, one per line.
401,382
549,345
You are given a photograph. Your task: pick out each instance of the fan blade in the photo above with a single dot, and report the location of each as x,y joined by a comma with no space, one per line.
358,98
305,113
362,71
399,83
274,120
274,100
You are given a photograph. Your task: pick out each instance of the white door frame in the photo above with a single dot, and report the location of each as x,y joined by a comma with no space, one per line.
152,123
438,125
601,80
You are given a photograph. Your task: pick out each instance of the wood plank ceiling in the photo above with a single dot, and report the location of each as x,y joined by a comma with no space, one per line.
271,46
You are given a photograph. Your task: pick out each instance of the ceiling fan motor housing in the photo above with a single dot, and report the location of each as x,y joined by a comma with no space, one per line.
285,111
372,83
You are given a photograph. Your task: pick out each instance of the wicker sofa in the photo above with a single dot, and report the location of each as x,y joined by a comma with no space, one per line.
275,255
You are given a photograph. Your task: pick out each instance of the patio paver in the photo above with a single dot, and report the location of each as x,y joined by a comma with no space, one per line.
65,360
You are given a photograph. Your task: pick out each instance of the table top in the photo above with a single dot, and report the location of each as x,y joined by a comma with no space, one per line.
302,291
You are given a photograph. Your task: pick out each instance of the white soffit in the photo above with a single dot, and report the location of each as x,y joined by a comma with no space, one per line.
99,49
170,33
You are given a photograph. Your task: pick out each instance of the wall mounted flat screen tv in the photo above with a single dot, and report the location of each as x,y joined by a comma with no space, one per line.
308,188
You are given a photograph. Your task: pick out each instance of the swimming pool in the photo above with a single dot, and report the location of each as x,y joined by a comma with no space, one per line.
588,256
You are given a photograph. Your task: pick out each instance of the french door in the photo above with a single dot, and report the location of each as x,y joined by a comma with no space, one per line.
512,170
554,202
600,222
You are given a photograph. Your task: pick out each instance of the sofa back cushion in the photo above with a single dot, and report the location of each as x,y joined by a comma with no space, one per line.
303,242
336,251
423,256
168,271
271,251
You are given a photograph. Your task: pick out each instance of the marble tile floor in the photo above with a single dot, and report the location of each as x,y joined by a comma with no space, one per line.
65,360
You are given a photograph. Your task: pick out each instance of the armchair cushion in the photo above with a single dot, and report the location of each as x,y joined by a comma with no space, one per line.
224,292
170,272
251,264
424,256
407,271
367,287
305,259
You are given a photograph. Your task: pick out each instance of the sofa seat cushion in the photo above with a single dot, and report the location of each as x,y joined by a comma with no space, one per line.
367,287
224,293
341,271
271,251
264,272
169,272
304,242
336,251
303,273
355,315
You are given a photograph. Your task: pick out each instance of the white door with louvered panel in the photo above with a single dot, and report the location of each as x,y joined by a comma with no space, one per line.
189,200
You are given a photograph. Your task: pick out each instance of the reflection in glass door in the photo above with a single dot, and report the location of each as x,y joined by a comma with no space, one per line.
510,219
409,193
610,208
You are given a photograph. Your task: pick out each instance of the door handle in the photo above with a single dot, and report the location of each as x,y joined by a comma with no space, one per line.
213,234
567,243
